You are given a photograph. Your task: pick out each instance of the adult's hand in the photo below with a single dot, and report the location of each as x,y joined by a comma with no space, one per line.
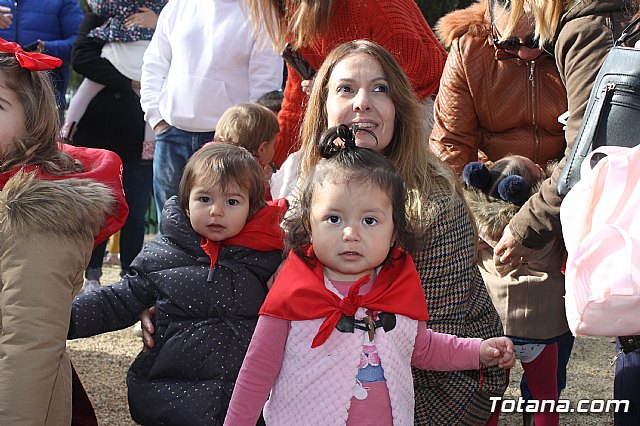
146,18
135,86
160,126
307,85
509,253
6,17
146,320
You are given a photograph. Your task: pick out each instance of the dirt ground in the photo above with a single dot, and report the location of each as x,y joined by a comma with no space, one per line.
102,363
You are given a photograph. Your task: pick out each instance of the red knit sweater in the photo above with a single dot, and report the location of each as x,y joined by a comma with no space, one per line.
397,25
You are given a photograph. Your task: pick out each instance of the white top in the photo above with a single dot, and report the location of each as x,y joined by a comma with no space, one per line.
126,57
202,59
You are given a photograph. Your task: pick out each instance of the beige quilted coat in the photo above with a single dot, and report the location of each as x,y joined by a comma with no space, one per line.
47,233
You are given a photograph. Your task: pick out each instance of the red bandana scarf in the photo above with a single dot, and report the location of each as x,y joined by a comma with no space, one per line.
262,232
299,293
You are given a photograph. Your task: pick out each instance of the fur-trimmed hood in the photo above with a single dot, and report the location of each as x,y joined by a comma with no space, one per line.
473,20
71,207
491,215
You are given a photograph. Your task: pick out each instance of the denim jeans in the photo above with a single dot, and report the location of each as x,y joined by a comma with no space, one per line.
137,177
174,147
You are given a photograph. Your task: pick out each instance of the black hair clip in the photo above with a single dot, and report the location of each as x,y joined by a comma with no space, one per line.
347,134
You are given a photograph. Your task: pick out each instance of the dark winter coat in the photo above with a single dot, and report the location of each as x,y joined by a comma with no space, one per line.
202,329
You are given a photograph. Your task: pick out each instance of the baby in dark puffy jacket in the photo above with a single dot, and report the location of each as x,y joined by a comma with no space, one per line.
206,274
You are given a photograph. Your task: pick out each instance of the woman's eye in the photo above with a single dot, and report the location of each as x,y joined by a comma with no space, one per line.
382,88
369,221
333,219
344,89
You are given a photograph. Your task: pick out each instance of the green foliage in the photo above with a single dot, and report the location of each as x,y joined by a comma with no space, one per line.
435,9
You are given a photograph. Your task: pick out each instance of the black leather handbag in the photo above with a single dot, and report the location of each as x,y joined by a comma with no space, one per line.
612,116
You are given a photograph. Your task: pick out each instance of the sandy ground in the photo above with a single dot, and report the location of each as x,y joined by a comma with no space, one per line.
102,363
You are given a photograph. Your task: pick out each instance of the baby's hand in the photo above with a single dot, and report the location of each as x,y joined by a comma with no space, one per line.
497,350
146,18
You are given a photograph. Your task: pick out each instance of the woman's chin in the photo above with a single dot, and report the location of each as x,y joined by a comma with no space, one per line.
366,141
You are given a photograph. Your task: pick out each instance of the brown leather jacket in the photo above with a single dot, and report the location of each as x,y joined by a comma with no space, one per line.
585,35
491,102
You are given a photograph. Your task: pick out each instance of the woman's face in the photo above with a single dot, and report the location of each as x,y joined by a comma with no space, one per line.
521,33
358,93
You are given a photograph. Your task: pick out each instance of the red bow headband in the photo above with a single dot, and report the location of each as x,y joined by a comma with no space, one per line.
33,61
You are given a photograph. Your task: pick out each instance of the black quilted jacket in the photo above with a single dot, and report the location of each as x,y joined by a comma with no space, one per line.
202,328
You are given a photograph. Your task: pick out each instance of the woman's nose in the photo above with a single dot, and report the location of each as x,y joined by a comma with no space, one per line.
528,53
361,101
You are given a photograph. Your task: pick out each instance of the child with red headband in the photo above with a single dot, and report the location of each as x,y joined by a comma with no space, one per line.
345,319
56,203
206,275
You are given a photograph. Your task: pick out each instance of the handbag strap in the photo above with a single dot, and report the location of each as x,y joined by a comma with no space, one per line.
591,124
627,33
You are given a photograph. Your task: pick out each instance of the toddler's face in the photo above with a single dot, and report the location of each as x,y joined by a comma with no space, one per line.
352,228
218,215
11,117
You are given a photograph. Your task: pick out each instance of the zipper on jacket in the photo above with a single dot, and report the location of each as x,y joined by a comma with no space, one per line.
16,20
536,139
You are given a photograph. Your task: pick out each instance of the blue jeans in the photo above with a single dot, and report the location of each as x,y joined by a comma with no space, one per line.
174,147
137,178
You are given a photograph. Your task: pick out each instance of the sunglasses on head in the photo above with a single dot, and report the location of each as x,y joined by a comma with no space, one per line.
513,43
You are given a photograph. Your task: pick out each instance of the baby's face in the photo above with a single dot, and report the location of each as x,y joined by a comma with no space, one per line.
352,228
216,214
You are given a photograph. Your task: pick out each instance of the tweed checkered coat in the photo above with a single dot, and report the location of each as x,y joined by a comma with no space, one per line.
459,304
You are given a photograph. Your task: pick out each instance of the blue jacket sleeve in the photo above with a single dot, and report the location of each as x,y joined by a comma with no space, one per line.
70,16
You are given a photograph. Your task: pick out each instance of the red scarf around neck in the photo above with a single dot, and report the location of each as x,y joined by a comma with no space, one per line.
262,232
299,293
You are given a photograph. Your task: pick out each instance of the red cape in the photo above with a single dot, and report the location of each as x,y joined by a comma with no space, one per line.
299,293
100,166
262,232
